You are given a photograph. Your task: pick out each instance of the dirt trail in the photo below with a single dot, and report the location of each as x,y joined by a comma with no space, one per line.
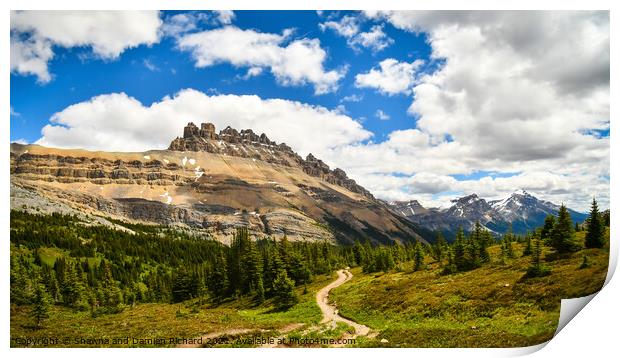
330,313
330,317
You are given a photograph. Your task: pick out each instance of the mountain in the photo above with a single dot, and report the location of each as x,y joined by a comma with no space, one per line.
408,208
521,209
209,183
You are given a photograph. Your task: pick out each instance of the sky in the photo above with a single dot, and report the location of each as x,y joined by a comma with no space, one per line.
425,105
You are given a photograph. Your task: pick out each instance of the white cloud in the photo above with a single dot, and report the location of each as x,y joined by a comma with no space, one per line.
225,17
382,115
14,113
20,141
253,72
117,122
352,98
293,63
178,24
107,33
349,28
375,39
391,78
150,65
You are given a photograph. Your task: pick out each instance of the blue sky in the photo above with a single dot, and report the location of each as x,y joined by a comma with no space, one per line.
413,105
79,76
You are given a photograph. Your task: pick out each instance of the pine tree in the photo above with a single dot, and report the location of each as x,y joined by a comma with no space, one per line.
40,305
547,229
528,245
537,269
509,250
284,291
218,284
112,295
562,235
450,267
72,288
596,231
439,248
418,256
460,261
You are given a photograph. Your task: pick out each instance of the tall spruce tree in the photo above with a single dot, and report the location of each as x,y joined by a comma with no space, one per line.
595,235
547,229
284,291
563,235
460,259
40,305
528,245
418,256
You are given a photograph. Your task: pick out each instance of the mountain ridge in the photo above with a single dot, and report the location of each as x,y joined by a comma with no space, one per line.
521,210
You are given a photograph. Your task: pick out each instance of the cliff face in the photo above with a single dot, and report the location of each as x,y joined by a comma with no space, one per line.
247,144
210,183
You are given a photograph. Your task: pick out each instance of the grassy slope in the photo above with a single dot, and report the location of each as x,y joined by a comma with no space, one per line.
492,306
156,320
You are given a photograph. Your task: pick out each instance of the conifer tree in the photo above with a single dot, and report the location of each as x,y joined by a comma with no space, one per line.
40,305
547,229
537,269
439,248
112,295
460,260
219,278
528,245
418,257
284,291
72,288
596,231
562,235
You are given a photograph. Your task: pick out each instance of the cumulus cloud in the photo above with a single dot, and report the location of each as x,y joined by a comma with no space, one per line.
391,78
293,63
352,98
178,24
349,28
375,39
150,65
191,21
107,33
225,17
382,115
118,122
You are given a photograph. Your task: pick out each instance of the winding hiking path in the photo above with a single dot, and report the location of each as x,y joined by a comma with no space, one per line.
330,316
330,313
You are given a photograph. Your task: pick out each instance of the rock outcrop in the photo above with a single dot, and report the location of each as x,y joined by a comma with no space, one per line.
247,144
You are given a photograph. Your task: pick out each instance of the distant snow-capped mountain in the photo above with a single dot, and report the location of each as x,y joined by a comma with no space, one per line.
408,208
521,209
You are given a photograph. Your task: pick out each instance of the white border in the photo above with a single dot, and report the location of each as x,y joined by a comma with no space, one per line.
591,332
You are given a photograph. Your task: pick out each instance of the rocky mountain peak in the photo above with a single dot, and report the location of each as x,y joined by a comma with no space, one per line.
247,144
408,208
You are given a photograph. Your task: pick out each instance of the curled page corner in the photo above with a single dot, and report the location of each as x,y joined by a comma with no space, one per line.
569,309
